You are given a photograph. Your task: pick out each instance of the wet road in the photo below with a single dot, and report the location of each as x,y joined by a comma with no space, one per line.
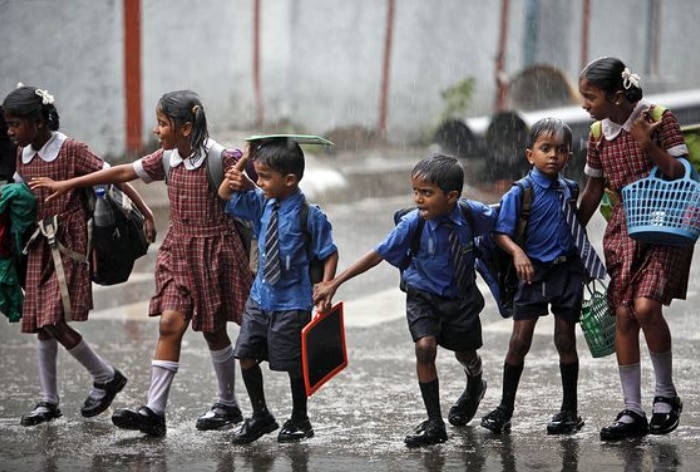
361,416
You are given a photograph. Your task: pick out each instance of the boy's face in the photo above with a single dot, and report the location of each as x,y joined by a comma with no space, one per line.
549,154
273,183
431,200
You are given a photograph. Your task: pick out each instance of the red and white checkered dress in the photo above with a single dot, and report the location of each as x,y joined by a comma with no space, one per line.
42,299
638,269
202,268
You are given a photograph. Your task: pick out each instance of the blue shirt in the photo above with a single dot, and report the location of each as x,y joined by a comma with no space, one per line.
293,291
547,235
431,268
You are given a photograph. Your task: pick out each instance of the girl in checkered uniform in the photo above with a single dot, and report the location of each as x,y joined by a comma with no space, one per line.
33,122
643,276
202,273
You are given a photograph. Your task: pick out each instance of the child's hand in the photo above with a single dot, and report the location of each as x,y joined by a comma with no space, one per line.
523,266
323,295
643,128
56,188
238,181
149,225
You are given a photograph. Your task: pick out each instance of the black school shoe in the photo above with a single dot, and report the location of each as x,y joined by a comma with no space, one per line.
220,416
428,432
254,428
293,431
497,421
42,412
143,419
93,407
565,422
464,410
664,423
619,430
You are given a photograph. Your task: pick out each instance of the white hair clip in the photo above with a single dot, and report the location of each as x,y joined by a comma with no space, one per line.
629,79
46,97
20,85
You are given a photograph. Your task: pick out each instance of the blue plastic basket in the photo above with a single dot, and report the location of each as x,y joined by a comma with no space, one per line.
663,211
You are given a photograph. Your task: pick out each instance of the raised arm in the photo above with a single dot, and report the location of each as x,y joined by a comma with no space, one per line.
111,175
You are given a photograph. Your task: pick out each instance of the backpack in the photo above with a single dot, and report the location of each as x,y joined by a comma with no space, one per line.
215,175
116,247
691,136
415,237
316,265
495,265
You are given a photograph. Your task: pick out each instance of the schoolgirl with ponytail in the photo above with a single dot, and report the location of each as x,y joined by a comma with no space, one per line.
202,272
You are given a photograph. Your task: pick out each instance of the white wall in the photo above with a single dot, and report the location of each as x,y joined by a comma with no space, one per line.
321,60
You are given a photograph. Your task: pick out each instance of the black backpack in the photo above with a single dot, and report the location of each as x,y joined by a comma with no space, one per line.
116,247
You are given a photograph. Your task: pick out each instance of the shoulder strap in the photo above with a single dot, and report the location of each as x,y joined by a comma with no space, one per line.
468,215
526,194
415,238
215,165
596,130
657,112
304,222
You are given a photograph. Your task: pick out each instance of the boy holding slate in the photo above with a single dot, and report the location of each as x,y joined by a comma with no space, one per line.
443,302
280,301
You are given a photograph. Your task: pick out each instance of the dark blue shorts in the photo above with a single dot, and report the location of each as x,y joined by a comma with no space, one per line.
453,322
560,286
274,336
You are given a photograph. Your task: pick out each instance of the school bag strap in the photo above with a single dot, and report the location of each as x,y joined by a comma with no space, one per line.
316,266
214,162
49,229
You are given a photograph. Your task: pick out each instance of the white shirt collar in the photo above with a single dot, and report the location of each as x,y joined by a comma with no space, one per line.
611,129
191,163
48,152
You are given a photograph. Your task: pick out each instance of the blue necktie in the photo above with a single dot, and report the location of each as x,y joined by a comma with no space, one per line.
594,266
273,269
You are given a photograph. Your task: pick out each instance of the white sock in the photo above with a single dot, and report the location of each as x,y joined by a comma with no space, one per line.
46,354
101,371
631,379
663,371
225,369
162,375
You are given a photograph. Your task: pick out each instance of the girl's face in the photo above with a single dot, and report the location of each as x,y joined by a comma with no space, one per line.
549,154
595,101
171,137
430,199
25,131
273,183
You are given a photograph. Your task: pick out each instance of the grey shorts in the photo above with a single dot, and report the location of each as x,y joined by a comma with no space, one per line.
453,322
273,336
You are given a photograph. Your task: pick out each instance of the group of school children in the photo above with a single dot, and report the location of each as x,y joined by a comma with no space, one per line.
203,277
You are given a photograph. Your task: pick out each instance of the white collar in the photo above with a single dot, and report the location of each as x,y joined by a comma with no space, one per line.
611,129
191,163
48,152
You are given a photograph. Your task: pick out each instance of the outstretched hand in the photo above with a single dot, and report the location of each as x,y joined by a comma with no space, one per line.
323,295
57,188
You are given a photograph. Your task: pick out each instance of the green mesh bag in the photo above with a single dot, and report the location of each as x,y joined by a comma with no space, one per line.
597,323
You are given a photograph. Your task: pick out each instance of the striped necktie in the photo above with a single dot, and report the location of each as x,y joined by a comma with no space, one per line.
594,266
457,256
273,269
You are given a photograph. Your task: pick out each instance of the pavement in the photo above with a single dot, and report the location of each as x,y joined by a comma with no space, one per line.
362,415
